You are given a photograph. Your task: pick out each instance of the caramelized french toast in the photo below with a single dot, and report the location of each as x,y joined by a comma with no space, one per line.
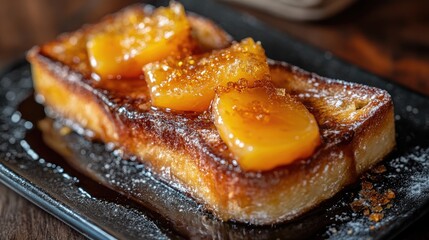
186,147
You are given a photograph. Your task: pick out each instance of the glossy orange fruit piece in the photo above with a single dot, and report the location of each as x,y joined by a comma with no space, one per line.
264,127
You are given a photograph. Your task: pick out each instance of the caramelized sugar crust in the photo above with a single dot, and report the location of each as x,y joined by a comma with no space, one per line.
185,149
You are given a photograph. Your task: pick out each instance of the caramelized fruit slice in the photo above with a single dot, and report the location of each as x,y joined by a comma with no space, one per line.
188,84
123,48
264,127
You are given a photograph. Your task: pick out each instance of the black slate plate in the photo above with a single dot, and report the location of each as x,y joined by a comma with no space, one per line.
38,173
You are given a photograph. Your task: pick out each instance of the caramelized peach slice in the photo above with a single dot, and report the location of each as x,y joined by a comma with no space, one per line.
123,49
264,127
189,84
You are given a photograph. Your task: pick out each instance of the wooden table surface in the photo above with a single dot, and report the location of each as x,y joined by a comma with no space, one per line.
387,37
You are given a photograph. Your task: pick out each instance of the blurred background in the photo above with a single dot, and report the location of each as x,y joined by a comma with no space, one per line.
387,37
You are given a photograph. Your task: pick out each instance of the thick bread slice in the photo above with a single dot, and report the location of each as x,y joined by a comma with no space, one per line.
356,124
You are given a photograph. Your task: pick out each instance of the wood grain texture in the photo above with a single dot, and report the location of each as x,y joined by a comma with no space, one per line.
20,219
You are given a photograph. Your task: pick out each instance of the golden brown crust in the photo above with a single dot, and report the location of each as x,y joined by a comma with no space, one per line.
186,150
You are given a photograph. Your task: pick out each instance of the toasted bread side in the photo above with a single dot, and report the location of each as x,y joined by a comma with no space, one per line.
356,124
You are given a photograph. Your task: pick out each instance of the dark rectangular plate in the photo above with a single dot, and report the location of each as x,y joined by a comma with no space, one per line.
152,209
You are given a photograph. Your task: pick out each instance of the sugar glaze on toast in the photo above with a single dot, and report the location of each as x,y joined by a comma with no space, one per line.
184,149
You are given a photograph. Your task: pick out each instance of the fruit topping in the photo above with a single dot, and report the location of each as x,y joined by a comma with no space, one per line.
189,84
122,49
264,127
